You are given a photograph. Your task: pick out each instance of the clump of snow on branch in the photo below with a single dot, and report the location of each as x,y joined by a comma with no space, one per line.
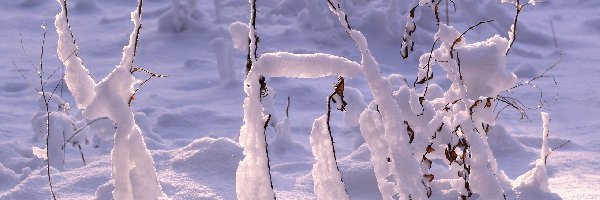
483,65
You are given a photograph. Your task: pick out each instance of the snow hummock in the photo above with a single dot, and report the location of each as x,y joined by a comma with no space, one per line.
534,183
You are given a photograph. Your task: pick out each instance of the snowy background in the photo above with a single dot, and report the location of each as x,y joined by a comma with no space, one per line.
191,120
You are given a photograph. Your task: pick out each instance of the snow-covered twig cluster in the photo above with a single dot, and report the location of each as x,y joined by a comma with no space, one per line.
424,141
134,175
430,144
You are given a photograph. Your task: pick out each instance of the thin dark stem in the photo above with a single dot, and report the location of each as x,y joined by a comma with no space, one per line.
267,152
541,75
25,52
137,31
252,40
459,38
519,7
81,151
46,103
152,74
339,92
80,129
287,108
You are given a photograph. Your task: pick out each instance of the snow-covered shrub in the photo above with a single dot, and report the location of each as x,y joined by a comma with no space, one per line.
425,142
64,129
133,172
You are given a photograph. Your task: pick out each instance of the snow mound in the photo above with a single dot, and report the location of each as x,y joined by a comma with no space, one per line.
210,161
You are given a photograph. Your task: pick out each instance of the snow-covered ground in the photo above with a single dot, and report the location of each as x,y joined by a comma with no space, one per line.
191,120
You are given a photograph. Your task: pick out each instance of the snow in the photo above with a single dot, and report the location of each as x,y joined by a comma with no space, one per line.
239,35
191,121
371,126
327,178
317,65
486,77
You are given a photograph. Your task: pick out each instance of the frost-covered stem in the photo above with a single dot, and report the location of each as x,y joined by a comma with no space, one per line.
252,37
46,104
411,27
77,77
327,124
129,53
545,148
513,29
267,152
436,10
327,178
371,128
404,166
133,169
253,177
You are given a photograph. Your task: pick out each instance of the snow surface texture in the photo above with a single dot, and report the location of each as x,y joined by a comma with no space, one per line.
197,117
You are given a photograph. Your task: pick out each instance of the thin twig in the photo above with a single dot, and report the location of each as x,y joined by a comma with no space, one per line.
519,7
459,38
80,129
46,103
137,31
338,90
25,52
267,152
81,151
152,74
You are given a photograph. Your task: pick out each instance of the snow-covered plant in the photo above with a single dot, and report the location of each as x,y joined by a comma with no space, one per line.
64,129
133,172
253,177
424,142
53,122
49,121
